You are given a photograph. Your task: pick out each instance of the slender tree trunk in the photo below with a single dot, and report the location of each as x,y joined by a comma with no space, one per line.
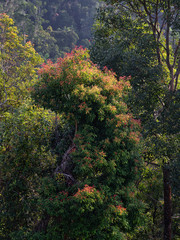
167,204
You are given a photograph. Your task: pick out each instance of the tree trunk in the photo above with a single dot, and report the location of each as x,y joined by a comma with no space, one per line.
167,204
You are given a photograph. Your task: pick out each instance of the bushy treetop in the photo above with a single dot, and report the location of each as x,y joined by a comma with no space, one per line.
18,62
99,164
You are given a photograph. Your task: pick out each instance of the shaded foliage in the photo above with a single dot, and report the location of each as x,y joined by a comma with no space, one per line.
139,38
54,27
91,197
25,158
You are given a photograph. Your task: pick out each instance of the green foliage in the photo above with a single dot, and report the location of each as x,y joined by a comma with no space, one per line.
90,193
28,17
70,19
54,27
141,39
46,44
151,191
117,45
24,158
17,65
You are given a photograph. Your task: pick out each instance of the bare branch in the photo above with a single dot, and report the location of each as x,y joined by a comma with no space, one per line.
66,157
167,42
176,53
177,75
138,12
156,17
162,26
160,43
68,176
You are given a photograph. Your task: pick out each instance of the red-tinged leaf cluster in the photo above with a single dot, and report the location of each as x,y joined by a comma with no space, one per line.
121,209
75,79
86,189
103,151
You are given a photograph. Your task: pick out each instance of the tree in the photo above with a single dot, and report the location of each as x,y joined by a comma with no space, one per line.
25,157
91,192
26,14
17,64
75,16
70,23
154,80
162,18
28,17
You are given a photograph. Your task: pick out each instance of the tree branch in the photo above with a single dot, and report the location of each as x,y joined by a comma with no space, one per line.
176,53
177,75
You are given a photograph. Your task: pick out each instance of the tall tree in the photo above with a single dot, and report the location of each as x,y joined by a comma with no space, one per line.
98,152
28,17
78,16
154,80
26,14
53,26
17,64
25,157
